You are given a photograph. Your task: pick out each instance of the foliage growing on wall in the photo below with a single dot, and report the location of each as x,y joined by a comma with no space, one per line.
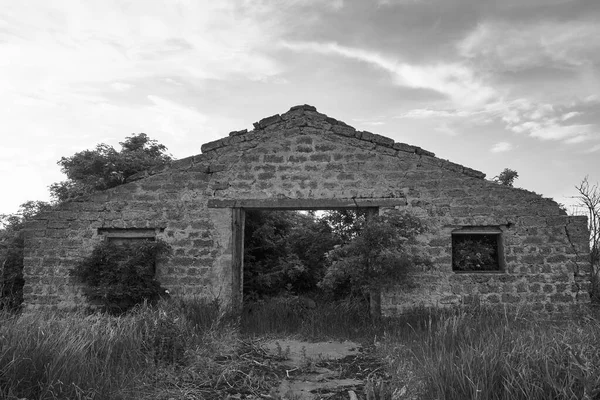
117,277
104,167
506,177
88,171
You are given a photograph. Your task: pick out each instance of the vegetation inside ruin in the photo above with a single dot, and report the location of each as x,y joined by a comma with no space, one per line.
336,255
474,253
194,349
116,277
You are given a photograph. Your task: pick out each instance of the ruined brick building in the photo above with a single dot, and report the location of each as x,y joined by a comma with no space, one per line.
303,159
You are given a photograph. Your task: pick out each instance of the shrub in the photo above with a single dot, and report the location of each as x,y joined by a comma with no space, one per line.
117,277
11,273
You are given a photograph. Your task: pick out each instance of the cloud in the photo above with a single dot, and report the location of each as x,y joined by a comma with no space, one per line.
446,130
120,86
501,147
546,121
109,41
175,119
474,96
454,80
570,115
432,113
502,45
593,149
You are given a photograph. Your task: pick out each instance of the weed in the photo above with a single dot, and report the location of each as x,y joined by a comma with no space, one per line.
192,349
481,353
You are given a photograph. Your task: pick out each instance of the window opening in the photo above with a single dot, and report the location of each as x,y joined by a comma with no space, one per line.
477,249
127,238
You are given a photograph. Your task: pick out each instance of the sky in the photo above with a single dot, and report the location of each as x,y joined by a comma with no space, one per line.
484,83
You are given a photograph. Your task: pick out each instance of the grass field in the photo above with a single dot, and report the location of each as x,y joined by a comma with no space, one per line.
193,350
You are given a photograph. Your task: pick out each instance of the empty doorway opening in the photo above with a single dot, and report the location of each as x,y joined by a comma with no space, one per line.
286,267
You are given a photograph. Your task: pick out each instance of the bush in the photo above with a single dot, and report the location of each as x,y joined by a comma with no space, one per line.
11,276
117,277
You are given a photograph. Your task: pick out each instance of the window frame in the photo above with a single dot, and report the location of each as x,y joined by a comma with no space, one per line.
483,231
133,234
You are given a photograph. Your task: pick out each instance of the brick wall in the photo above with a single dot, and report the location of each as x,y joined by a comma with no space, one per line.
306,159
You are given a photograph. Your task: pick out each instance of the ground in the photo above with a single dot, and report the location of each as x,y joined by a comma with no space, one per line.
302,370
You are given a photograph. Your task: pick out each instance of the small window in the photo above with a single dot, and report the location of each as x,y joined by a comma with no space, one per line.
477,249
126,238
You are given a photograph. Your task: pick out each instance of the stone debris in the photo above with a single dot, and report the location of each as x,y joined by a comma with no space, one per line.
323,370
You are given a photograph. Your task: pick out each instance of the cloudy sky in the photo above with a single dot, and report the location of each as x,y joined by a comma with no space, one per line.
484,83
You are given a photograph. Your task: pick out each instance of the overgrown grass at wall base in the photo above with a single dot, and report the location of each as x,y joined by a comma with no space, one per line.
289,315
54,356
191,349
482,354
78,356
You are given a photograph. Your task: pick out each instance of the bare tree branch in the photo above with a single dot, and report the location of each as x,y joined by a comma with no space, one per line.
589,199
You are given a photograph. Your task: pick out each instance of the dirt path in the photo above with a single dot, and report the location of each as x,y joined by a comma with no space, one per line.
325,370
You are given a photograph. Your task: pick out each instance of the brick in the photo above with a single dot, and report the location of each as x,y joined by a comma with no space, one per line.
271,158
344,130
404,147
210,146
304,149
263,123
304,140
320,157
345,177
304,107
297,159
325,147
266,176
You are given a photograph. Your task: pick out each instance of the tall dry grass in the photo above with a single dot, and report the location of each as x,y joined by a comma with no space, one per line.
183,349
79,356
68,356
482,353
290,315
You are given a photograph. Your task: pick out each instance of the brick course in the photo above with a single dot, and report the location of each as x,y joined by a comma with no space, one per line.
305,158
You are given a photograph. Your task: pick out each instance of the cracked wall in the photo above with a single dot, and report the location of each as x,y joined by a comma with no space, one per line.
306,159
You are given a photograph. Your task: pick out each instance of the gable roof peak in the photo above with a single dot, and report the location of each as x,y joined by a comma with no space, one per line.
304,107
306,117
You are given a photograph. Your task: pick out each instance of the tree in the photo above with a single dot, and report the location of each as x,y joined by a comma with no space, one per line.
506,177
284,251
346,224
589,199
384,253
104,167
87,171
11,253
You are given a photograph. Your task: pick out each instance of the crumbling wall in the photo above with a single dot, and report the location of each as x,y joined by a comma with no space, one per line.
308,159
